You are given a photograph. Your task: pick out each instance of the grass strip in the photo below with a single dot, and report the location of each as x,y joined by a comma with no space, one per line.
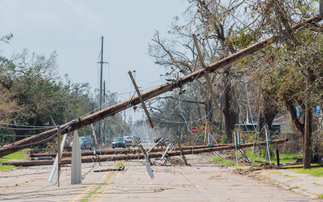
223,161
317,172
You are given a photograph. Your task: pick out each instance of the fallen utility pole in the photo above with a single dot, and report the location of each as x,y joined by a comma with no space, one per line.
169,86
116,151
139,156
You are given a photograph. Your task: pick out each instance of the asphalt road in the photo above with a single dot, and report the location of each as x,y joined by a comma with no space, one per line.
202,181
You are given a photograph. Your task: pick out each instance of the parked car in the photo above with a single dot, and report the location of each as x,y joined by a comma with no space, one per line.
85,143
118,142
144,140
129,141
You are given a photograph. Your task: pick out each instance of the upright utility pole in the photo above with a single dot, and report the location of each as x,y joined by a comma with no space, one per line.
101,75
101,72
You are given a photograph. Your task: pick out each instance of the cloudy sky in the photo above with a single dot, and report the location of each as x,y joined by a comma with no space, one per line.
73,28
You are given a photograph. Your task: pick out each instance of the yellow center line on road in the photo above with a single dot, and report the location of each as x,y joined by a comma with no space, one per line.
94,184
120,171
83,193
109,171
108,185
105,188
102,193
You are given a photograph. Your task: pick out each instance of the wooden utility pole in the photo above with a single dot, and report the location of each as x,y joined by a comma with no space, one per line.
101,75
92,118
100,136
141,99
59,140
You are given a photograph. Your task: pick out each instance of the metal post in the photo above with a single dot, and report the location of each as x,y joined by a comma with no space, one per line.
209,144
236,134
267,142
235,138
277,156
235,145
238,137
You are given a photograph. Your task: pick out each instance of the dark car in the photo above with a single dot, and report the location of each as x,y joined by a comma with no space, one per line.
85,143
118,142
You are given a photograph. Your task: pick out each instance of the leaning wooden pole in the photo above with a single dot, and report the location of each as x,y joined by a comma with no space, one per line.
141,99
84,121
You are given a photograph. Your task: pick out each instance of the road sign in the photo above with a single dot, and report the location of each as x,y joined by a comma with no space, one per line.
193,130
202,127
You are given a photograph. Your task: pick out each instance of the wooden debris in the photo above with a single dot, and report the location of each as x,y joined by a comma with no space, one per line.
137,156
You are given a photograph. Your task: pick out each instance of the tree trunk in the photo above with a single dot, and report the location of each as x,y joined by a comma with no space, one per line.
270,110
228,113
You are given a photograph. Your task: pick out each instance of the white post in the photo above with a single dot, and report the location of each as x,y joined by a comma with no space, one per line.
76,168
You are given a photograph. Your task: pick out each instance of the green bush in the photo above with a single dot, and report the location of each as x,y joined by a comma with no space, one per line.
224,139
272,152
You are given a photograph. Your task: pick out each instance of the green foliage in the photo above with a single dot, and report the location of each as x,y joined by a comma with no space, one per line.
16,155
243,39
120,164
317,172
272,152
295,187
6,167
289,157
223,161
38,97
224,139
284,158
